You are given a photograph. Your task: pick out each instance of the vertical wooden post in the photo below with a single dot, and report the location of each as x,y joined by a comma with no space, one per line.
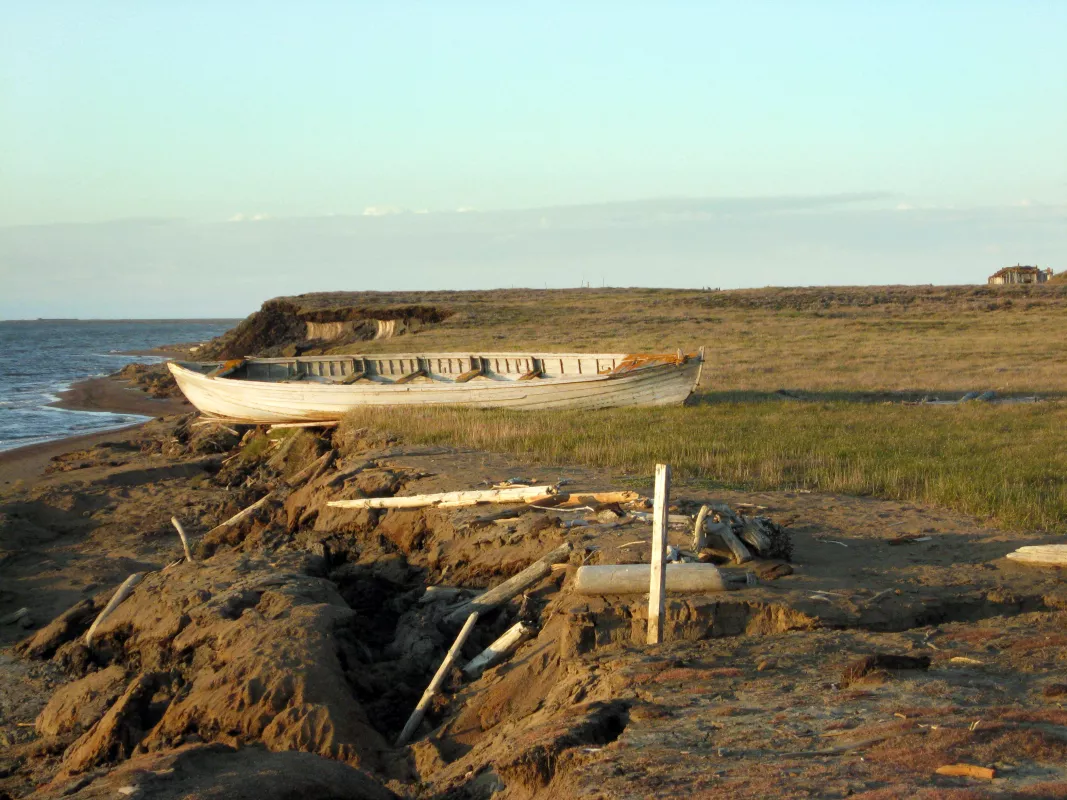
658,583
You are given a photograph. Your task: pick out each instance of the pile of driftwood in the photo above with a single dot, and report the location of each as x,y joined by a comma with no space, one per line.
721,533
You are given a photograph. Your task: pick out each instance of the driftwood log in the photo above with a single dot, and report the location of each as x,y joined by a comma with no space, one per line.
240,515
185,539
518,494
121,594
324,424
753,534
634,578
435,684
700,539
737,548
499,595
504,646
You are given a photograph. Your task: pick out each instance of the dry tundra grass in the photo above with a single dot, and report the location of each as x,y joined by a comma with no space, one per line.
843,349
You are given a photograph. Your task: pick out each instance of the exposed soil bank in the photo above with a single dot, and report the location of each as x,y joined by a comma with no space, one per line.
290,326
284,661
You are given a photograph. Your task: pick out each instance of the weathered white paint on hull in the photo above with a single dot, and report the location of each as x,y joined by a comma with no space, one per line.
261,401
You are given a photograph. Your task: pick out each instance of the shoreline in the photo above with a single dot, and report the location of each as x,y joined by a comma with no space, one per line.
94,395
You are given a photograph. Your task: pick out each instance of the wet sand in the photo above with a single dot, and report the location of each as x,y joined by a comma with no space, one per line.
116,395
95,394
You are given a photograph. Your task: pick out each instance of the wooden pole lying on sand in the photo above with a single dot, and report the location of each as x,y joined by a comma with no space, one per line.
519,494
183,537
240,515
601,579
657,577
435,684
120,594
512,586
504,646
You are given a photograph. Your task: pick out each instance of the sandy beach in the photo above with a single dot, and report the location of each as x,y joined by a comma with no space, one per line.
95,394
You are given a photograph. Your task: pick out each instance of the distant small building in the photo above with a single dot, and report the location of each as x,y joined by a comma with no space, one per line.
1020,274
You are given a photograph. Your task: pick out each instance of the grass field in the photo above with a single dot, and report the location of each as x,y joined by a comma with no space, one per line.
842,348
915,339
1007,464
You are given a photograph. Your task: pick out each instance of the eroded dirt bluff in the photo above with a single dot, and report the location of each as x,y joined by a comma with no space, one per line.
284,661
311,323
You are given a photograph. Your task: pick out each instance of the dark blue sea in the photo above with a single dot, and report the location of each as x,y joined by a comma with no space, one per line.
40,359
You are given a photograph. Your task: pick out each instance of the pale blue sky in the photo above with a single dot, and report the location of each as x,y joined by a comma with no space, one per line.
199,113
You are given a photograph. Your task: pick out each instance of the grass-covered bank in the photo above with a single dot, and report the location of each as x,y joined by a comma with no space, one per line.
1006,463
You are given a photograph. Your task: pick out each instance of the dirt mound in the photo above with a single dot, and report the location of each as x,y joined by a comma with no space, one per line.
236,650
290,326
216,771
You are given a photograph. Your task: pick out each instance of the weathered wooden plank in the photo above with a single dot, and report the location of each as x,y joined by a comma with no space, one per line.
518,494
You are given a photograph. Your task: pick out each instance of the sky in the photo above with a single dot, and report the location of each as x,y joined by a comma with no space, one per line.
152,151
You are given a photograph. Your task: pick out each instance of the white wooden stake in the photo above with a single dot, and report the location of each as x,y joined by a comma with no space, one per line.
658,580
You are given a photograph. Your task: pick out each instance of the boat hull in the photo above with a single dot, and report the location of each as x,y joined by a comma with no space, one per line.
253,401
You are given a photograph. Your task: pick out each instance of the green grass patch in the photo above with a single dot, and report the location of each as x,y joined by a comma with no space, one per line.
1004,463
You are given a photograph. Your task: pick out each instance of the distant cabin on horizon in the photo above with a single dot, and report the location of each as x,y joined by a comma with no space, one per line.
1020,274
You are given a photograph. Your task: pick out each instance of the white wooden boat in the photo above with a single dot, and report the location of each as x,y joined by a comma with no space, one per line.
319,388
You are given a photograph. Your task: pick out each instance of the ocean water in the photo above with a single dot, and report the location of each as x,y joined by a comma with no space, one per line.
40,359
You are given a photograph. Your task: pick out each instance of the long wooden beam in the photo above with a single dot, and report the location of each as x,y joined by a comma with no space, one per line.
517,494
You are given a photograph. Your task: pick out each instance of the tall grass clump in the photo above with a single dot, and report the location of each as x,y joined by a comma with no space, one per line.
1005,463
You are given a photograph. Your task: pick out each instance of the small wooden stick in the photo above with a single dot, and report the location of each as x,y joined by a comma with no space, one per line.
435,684
657,578
699,537
120,594
240,515
183,537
